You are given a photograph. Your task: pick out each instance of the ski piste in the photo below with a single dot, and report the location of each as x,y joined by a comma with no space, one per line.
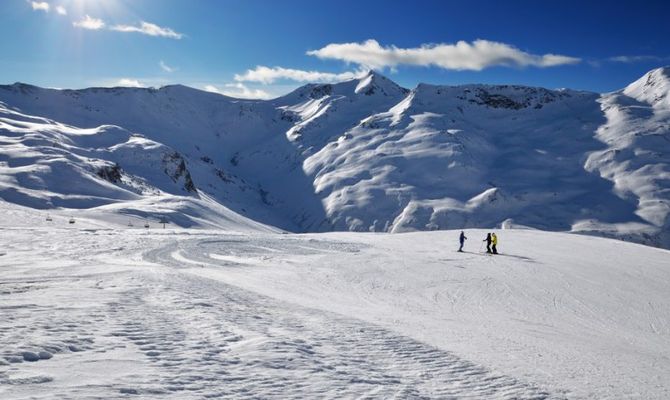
483,253
183,307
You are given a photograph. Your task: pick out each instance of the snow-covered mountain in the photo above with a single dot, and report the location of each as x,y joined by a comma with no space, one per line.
362,155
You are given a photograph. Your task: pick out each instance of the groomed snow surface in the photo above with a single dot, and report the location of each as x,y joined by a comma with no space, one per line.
95,312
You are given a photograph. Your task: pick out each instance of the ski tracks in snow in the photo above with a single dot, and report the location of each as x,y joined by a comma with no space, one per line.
187,314
285,350
81,324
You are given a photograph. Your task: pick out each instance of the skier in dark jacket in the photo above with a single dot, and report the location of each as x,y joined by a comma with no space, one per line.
488,243
462,239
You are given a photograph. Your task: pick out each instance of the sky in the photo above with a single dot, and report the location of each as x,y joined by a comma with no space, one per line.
263,49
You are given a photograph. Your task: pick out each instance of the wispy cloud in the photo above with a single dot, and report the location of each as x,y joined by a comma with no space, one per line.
238,90
89,23
40,6
269,75
636,58
594,63
460,56
128,82
166,67
147,28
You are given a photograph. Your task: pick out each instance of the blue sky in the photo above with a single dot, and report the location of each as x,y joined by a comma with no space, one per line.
252,48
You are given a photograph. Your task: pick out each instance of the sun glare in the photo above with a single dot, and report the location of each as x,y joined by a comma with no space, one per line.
97,8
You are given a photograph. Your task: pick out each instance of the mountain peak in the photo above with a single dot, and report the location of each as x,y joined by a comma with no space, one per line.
372,74
374,82
653,88
655,77
355,155
371,83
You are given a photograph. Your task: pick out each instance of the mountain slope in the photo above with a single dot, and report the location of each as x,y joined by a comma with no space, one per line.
637,154
48,165
368,155
214,134
464,156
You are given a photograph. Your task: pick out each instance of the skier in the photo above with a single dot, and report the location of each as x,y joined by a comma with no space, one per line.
494,242
488,243
462,239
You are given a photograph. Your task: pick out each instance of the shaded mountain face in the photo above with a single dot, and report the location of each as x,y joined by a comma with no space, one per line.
364,155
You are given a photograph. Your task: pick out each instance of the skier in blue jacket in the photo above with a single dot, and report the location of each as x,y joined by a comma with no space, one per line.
462,239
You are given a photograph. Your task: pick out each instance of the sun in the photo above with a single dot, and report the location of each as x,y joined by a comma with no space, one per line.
99,8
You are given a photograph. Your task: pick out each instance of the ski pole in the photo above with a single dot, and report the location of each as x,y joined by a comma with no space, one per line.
481,246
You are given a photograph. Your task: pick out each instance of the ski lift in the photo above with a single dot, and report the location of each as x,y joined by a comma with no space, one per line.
130,223
163,221
71,220
49,219
146,224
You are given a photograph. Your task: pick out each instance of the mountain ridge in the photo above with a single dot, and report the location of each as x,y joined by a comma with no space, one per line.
375,75
367,154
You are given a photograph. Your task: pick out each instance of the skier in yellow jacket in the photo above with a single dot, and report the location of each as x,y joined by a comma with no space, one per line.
494,243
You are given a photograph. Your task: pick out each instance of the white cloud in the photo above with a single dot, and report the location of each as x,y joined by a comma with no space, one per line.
239,90
145,28
633,59
40,5
268,75
212,88
166,67
473,56
61,10
89,23
127,82
150,29
595,63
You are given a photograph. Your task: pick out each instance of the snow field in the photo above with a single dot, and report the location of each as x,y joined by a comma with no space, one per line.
115,325
197,314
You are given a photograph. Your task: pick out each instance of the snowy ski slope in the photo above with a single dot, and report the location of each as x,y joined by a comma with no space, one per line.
93,312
